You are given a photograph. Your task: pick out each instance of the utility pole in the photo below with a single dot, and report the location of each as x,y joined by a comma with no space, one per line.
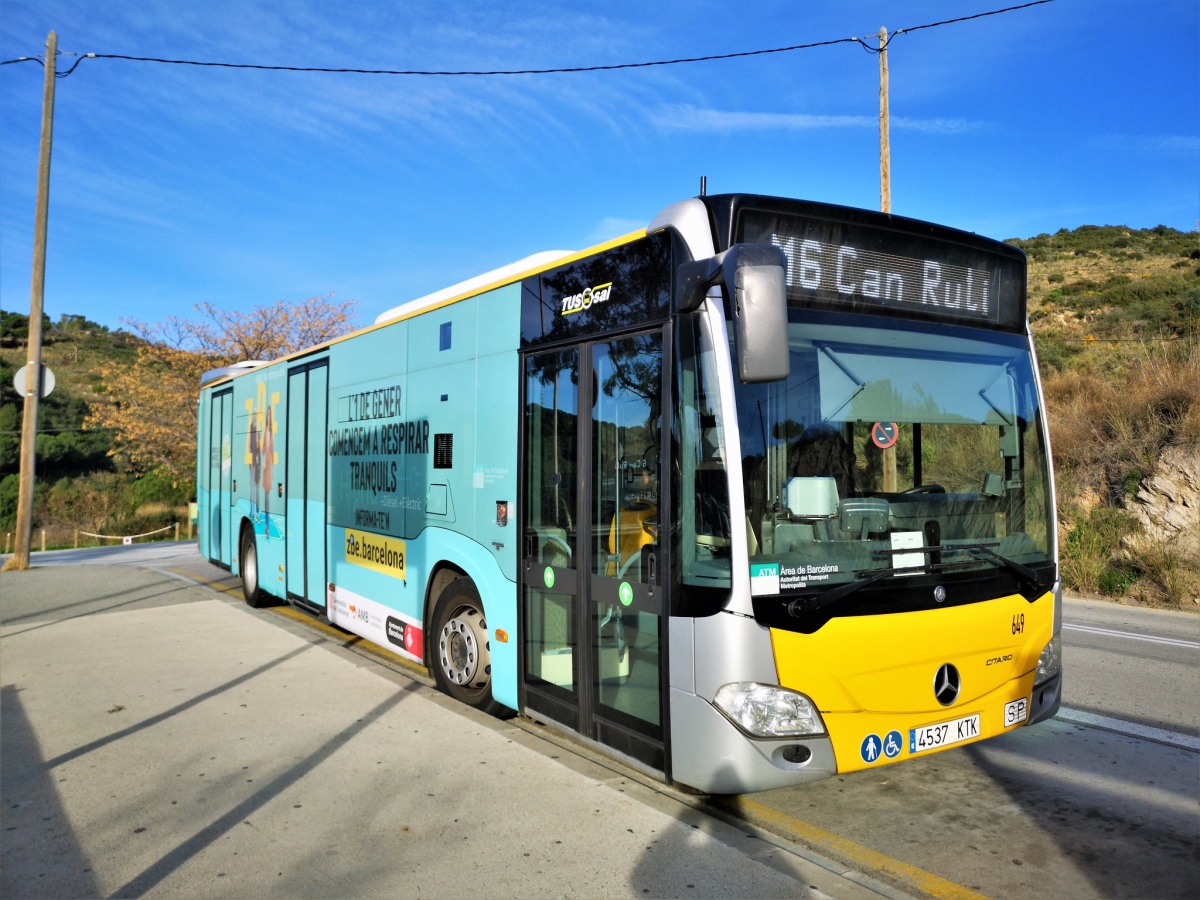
885,139
33,372
890,476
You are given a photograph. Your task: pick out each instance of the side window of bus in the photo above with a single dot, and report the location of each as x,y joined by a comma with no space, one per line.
701,478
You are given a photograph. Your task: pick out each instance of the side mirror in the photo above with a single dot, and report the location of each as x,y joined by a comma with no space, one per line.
756,279
755,276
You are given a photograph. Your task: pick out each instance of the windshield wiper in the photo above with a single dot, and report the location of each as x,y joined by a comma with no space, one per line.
841,591
1012,565
834,594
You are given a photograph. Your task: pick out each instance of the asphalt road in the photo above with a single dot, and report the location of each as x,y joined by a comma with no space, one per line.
1103,801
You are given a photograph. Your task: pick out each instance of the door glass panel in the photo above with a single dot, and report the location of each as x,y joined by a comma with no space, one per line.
314,488
626,434
227,498
551,529
629,662
294,485
626,437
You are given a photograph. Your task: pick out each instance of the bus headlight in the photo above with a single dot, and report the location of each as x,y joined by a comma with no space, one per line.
1050,662
764,710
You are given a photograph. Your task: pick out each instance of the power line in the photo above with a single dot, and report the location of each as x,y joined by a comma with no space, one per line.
863,42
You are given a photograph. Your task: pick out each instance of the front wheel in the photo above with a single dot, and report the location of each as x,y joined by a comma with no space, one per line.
460,651
255,595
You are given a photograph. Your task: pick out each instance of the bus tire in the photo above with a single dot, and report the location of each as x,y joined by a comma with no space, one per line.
460,652
255,596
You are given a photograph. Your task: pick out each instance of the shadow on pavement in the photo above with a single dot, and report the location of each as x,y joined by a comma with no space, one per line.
152,876
173,711
40,853
42,614
1122,824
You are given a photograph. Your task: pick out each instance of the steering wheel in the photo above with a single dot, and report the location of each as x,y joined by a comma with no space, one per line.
932,488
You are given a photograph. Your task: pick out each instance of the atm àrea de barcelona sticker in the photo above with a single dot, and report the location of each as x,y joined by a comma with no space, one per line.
885,434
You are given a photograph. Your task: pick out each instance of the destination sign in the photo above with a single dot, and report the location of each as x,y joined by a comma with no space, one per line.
855,273
896,266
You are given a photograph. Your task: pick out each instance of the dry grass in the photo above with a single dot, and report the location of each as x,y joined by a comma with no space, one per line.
1108,434
1170,577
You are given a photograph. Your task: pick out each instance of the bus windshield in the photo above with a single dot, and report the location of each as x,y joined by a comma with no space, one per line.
896,452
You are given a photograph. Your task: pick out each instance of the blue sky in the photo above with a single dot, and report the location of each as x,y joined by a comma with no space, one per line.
174,185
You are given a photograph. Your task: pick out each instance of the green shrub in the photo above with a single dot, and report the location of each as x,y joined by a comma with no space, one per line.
1117,578
1090,556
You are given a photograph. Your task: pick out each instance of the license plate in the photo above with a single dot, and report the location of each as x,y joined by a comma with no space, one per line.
1016,712
931,737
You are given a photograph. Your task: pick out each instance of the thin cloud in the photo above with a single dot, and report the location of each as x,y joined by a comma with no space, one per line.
691,118
612,227
1174,146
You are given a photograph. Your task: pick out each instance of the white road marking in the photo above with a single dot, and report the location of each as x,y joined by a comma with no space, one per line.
1130,729
1108,632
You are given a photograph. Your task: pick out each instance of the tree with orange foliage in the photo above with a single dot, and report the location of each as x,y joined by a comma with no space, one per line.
152,404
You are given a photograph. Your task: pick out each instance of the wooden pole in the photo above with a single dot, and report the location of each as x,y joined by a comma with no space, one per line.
33,373
890,476
885,138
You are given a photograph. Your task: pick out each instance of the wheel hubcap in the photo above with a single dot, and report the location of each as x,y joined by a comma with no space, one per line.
463,649
250,567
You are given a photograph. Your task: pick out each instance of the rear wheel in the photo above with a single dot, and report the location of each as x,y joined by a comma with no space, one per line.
460,651
255,596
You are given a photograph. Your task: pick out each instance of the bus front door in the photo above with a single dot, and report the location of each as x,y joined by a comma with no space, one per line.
220,478
307,451
594,610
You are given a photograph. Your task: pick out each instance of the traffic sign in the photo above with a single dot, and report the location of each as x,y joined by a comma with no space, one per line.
47,381
884,434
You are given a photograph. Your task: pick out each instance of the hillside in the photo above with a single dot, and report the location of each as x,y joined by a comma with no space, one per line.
1115,314
79,485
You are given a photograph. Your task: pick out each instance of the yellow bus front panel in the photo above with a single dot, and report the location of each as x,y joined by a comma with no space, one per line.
876,679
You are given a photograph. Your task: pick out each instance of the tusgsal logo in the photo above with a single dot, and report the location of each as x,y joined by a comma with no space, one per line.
585,298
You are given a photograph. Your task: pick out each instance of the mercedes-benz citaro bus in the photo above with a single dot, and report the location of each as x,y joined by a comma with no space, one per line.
757,495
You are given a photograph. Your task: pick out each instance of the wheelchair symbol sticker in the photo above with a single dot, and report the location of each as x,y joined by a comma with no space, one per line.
892,742
869,751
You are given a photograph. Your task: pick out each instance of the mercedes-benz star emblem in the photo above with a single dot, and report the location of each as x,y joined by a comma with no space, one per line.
946,684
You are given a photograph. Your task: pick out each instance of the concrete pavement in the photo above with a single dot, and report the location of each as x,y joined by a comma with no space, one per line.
158,737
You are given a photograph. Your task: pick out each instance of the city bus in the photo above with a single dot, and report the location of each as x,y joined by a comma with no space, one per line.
753,496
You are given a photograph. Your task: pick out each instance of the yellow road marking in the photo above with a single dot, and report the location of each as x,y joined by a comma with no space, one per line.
349,639
345,638
215,584
846,850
